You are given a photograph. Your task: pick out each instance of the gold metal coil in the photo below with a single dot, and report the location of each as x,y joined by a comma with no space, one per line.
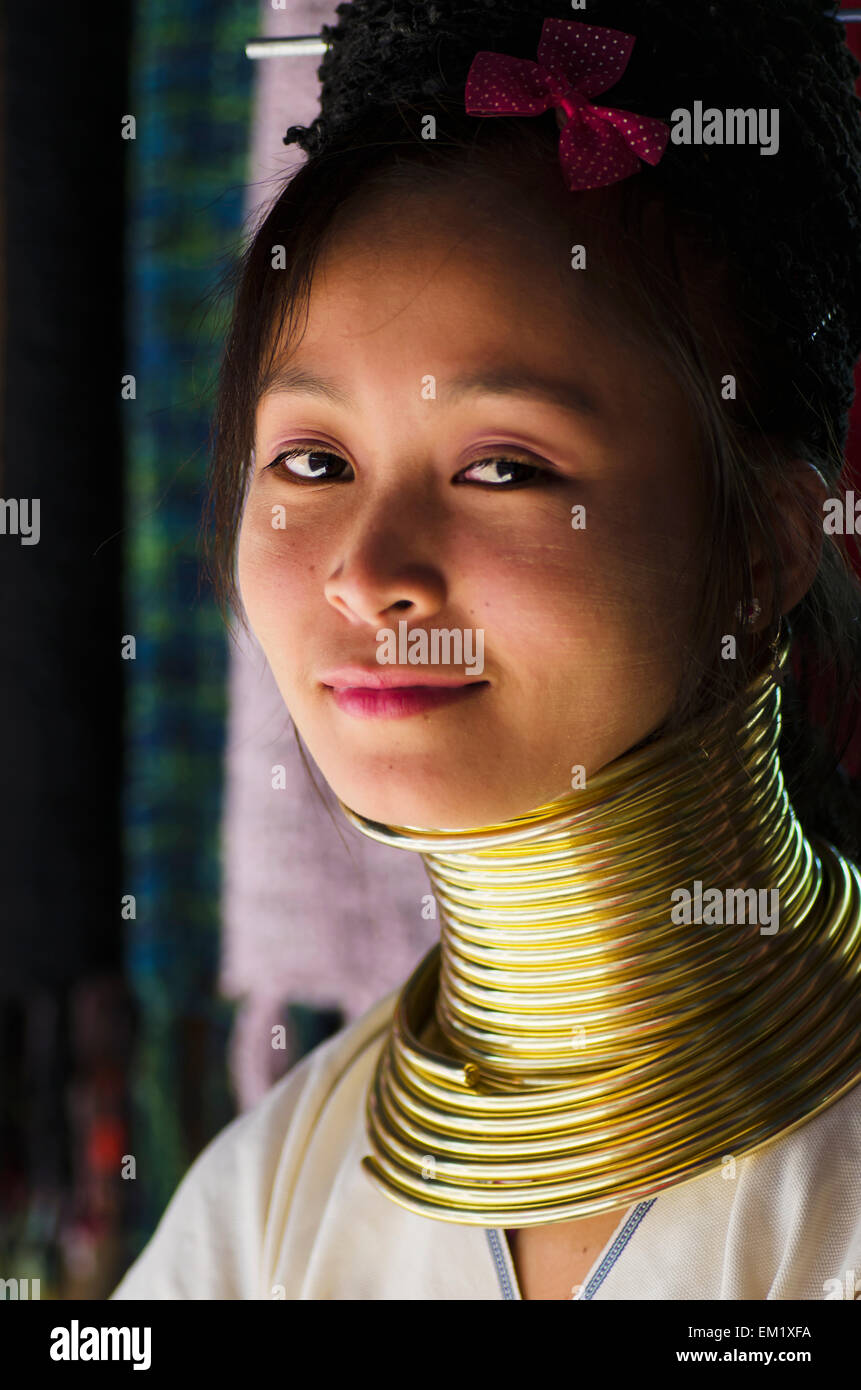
569,1046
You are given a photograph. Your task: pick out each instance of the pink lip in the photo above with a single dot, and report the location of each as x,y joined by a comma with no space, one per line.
378,678
373,694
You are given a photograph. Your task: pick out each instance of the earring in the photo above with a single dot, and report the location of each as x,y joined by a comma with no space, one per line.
752,613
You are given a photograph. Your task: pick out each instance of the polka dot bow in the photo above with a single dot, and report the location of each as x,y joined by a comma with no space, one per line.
597,144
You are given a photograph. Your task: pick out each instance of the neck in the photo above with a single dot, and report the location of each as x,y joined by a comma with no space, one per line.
633,982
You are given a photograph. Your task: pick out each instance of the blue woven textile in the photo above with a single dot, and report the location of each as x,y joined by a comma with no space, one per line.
191,88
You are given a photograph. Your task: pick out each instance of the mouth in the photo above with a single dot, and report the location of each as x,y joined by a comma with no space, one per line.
366,694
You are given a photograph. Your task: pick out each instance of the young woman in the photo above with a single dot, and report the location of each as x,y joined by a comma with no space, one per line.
529,429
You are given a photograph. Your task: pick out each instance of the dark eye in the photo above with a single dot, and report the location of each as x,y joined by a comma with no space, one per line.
500,472
310,465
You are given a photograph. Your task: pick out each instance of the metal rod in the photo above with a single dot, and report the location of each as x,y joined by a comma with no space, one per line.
285,48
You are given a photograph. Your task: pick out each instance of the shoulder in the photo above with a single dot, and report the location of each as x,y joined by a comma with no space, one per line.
208,1242
782,1222
826,1145
799,1203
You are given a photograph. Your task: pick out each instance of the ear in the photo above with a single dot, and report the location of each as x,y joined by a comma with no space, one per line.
795,501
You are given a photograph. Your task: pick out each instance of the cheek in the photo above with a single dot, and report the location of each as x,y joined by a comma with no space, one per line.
647,533
538,596
275,575
555,595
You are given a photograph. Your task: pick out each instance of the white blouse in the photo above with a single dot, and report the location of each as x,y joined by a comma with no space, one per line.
278,1206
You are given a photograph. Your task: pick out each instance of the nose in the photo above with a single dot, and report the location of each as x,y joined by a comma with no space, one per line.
384,572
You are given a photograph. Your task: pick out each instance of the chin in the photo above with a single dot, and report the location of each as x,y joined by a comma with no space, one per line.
395,798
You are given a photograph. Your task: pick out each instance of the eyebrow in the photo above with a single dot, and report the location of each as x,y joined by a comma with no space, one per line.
495,381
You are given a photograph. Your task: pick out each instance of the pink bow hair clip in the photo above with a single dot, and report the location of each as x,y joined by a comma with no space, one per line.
598,145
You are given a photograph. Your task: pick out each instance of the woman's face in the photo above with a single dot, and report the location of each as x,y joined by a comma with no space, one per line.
473,459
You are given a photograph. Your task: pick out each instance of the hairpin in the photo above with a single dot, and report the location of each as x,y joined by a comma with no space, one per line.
295,45
598,145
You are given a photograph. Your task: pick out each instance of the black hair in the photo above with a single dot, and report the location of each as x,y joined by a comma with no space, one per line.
785,227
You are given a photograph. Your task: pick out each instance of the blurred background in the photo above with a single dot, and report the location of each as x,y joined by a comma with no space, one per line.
162,905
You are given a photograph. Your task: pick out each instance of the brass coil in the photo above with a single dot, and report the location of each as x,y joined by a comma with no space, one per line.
568,1048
